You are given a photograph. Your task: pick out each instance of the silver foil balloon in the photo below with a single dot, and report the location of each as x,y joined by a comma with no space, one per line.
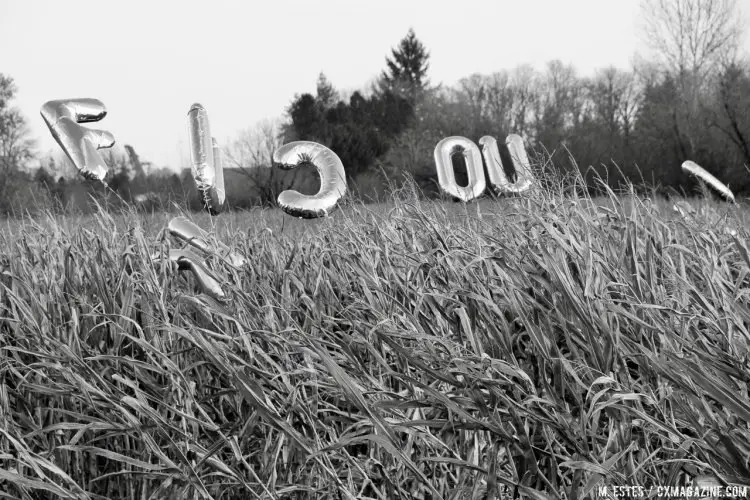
219,170
708,179
206,160
444,151
332,179
685,210
184,229
521,162
498,180
188,260
80,144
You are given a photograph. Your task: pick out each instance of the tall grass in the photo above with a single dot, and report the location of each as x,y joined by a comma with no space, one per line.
538,347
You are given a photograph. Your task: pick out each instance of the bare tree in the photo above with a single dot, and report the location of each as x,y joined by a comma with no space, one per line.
252,154
732,107
500,97
525,88
561,105
488,101
692,36
615,97
15,145
254,146
472,95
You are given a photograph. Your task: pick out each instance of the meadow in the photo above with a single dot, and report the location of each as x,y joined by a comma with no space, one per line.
533,347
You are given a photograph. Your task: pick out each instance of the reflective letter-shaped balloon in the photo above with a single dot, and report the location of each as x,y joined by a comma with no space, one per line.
446,176
498,180
207,169
520,159
79,143
187,260
182,228
708,179
332,179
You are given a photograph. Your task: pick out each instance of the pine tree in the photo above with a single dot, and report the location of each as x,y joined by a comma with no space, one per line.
327,96
307,120
407,68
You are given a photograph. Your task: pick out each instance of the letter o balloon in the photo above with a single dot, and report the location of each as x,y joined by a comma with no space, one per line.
444,151
332,179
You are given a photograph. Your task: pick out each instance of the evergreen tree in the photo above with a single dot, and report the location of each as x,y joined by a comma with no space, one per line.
359,131
327,96
307,120
407,68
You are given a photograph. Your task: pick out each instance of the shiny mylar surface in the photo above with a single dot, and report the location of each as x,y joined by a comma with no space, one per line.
219,175
521,162
446,175
80,144
189,232
189,261
332,179
704,176
498,180
206,160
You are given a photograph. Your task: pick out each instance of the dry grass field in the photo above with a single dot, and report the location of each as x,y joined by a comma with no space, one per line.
536,347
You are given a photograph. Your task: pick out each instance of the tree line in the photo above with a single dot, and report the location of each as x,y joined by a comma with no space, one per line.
691,100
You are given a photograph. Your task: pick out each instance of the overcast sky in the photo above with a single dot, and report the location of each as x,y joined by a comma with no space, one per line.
148,61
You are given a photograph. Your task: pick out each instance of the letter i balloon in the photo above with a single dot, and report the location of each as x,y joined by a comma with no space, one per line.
207,169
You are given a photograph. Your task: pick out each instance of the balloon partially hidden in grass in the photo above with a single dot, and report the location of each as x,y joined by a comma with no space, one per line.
80,144
499,182
207,169
189,232
444,152
708,179
332,179
684,209
186,259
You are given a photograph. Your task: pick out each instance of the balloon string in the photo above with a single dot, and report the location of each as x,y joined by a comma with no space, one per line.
206,199
207,204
